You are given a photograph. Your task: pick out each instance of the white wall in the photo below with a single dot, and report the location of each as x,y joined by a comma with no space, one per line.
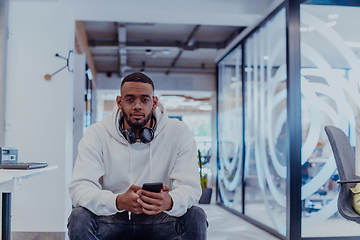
39,112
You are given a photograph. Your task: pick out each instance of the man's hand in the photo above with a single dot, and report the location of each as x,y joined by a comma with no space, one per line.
129,200
153,203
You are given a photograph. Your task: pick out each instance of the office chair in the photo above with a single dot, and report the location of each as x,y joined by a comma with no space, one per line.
345,161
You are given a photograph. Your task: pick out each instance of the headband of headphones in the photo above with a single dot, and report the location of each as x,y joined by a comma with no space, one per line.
146,134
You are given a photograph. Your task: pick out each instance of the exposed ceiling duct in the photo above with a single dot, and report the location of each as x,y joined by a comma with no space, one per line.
151,47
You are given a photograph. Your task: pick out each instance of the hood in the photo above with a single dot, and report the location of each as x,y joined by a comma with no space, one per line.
111,122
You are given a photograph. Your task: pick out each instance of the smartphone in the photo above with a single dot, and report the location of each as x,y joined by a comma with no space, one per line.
153,187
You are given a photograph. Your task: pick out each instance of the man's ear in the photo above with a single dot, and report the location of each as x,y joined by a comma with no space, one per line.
118,102
155,102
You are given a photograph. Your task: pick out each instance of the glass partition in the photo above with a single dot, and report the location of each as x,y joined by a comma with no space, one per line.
265,124
230,130
252,95
330,78
263,80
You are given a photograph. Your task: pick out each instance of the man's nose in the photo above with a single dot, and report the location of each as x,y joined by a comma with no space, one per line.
137,104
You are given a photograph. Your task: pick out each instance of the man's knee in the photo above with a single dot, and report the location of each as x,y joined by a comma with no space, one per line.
196,212
195,217
80,217
193,224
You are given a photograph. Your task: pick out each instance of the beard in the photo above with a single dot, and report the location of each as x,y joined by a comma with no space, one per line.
137,125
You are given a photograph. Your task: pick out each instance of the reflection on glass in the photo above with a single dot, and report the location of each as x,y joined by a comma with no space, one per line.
330,96
265,124
230,130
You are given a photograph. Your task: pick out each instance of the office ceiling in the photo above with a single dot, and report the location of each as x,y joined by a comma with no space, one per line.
195,35
120,47
173,46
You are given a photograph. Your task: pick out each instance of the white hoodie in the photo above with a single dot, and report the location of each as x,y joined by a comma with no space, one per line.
108,165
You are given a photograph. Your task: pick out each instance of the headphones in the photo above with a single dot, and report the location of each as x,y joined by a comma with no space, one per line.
146,134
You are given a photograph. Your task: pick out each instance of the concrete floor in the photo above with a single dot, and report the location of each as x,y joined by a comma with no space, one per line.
224,225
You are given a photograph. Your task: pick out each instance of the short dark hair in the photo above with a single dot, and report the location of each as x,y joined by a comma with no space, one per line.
137,77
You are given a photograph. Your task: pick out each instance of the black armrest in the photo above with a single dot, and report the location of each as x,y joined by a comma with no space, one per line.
349,181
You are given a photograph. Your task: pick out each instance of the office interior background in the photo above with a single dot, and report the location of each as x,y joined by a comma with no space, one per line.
260,79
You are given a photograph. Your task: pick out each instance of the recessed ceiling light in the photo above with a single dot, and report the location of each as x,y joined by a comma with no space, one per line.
311,28
266,58
303,29
248,69
148,52
331,24
165,51
333,16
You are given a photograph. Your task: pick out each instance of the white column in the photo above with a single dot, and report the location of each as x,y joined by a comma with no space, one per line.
79,100
39,112
4,4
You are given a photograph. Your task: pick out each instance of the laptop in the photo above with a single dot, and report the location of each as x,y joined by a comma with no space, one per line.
9,160
23,165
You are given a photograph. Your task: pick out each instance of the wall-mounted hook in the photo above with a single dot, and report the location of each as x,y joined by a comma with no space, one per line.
48,76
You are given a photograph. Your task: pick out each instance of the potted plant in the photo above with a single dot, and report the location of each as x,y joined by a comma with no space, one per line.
206,192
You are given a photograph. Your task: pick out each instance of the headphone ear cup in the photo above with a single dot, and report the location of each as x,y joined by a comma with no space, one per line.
146,135
130,136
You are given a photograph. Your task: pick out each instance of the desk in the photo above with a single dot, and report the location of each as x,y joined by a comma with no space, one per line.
10,181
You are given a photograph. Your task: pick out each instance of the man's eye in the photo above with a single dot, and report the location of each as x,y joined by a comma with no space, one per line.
144,100
129,100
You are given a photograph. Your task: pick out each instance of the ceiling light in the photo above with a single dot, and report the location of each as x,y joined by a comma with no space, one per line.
353,44
266,58
311,28
148,52
191,42
205,107
165,51
333,16
197,103
331,24
303,29
248,69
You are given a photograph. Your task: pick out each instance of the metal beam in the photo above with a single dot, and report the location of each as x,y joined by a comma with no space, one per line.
293,131
122,48
186,43
175,44
162,69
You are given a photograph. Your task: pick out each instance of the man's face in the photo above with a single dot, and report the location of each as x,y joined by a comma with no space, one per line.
137,103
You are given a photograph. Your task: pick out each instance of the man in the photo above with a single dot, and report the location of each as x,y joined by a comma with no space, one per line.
137,143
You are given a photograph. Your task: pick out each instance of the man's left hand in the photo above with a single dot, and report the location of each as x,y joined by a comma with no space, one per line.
154,203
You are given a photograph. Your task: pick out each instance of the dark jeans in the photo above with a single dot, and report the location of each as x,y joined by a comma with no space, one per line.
84,225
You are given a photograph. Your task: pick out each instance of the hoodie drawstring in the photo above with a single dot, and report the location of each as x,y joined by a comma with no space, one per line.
131,174
151,172
131,166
